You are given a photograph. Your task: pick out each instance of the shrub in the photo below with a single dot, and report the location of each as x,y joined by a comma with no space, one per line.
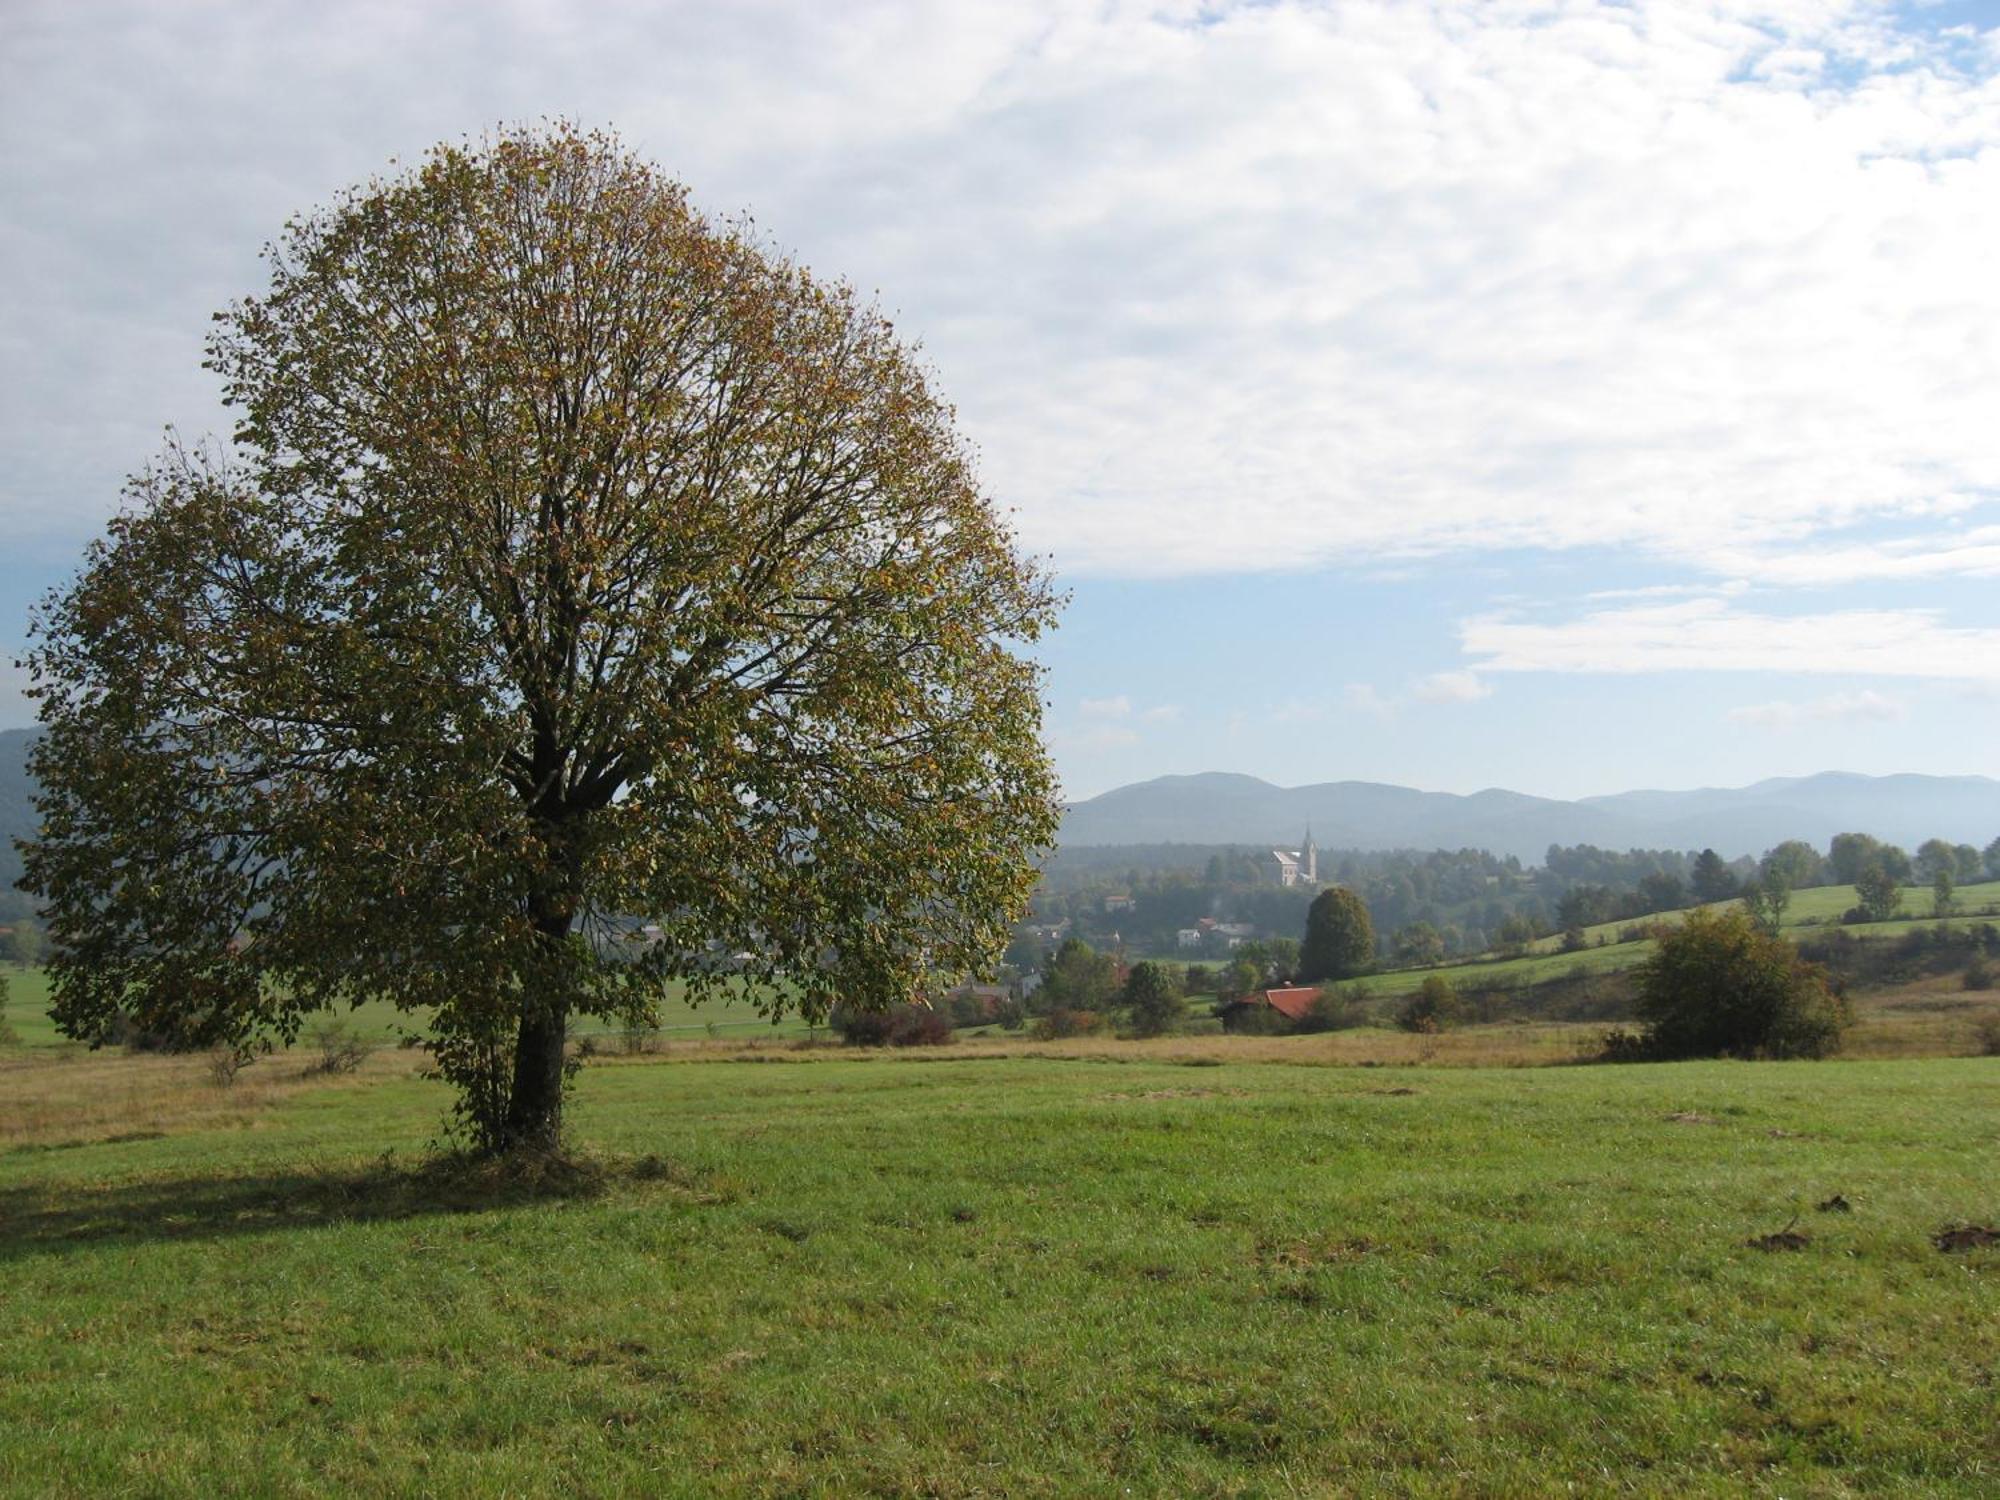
1573,940
1988,1035
1621,1045
1434,1007
224,1063
1978,973
340,1051
8,1036
897,1026
1337,1008
1058,1024
1720,986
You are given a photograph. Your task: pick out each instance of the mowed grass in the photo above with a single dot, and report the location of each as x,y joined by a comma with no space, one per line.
1104,1274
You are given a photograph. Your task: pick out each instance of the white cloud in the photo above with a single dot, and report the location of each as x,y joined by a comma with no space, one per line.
1714,636
1450,687
1164,713
1214,286
1863,707
1119,707
1972,553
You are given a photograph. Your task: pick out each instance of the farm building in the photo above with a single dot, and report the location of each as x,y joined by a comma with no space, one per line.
1259,1009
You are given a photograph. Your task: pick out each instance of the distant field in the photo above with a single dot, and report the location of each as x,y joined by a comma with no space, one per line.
1103,1274
1821,905
1810,910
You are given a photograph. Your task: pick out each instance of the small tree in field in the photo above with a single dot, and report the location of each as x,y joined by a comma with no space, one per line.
1154,1000
1434,1006
1719,985
1078,978
1944,885
1767,897
1340,938
577,562
1879,892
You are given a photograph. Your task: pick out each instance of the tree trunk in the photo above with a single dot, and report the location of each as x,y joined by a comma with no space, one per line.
534,1104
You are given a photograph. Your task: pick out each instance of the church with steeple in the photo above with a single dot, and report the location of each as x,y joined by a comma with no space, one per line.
1298,866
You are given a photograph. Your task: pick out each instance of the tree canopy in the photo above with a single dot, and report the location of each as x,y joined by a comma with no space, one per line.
1340,938
1153,998
1718,984
589,598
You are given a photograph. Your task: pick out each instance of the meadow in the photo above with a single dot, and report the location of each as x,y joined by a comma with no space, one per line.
1604,951
1219,1266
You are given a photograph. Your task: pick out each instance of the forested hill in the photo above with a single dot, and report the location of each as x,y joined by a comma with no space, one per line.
1218,808
1221,808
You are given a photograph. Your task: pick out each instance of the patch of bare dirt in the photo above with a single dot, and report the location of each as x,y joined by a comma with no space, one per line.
1834,1205
1784,1239
1394,1093
1966,1237
1788,1238
1303,1255
1690,1117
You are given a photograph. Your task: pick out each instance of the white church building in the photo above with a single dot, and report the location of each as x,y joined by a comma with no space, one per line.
1296,866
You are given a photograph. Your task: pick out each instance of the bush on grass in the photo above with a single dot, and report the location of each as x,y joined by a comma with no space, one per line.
1432,1008
1720,986
340,1051
897,1026
1060,1024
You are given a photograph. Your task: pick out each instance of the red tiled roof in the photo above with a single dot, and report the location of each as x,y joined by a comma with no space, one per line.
1293,1003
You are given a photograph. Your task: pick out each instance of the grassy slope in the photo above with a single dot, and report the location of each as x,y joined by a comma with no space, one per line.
1033,1276
1810,909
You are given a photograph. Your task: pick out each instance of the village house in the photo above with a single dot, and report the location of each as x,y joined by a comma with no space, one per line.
1287,1006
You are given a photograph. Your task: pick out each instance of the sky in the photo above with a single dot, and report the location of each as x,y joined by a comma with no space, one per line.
1562,396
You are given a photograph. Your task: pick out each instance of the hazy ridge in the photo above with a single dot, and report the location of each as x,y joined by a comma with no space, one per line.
1218,807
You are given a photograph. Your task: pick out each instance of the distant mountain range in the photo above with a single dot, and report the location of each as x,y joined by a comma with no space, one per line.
1218,807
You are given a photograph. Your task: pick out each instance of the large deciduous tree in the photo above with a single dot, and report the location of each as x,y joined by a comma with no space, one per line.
1340,938
590,598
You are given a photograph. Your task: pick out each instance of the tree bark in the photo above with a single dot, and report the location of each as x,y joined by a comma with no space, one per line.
534,1104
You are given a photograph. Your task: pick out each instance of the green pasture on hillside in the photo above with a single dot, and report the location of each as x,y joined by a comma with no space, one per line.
1031,1276
1812,911
1820,906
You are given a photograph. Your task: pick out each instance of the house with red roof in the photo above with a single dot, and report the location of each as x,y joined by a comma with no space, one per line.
1270,1010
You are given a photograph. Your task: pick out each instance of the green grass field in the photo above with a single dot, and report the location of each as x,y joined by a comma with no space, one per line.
1810,910
1019,1275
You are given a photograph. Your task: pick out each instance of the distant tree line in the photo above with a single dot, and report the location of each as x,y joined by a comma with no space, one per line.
1424,907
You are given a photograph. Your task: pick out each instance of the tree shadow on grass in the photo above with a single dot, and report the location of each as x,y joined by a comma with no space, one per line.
54,1218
